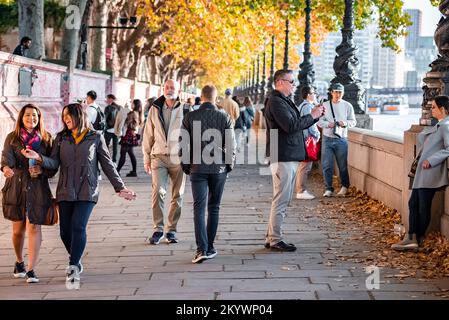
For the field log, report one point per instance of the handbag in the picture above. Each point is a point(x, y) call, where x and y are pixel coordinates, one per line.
point(338, 130)
point(313, 149)
point(52, 216)
point(414, 166)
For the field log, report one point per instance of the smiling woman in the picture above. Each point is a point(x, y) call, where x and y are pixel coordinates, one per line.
point(26, 194)
point(77, 151)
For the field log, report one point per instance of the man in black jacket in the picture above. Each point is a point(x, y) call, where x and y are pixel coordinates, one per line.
point(207, 151)
point(286, 147)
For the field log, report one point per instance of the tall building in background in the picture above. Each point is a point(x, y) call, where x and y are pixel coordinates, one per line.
point(389, 67)
point(324, 63)
point(414, 30)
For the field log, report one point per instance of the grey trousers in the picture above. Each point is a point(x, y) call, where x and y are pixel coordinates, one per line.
point(283, 174)
point(301, 176)
point(162, 169)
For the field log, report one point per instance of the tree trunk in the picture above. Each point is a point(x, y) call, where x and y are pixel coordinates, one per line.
point(100, 11)
point(72, 25)
point(31, 24)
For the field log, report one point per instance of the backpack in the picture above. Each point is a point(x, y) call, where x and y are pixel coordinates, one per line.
point(111, 115)
point(100, 121)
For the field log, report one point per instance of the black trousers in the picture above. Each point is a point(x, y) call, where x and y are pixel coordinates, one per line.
point(127, 149)
point(420, 206)
point(108, 136)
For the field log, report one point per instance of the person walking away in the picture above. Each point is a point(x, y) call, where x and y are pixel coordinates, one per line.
point(207, 177)
point(110, 113)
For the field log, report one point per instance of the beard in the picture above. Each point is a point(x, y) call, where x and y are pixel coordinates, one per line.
point(171, 96)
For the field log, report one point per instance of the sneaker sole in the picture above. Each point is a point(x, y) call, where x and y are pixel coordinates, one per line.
point(19, 275)
point(171, 241)
point(415, 249)
point(212, 255)
point(280, 250)
point(156, 242)
point(199, 260)
point(32, 280)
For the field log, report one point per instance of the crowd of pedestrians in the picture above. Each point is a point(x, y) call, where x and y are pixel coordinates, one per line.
point(200, 139)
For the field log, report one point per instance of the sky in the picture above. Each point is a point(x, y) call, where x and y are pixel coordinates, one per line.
point(430, 15)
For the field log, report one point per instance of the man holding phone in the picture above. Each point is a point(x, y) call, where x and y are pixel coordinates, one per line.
point(338, 113)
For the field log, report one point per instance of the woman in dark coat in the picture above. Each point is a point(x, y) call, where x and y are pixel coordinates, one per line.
point(26, 194)
point(77, 151)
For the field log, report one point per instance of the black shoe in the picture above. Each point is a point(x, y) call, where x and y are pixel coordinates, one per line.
point(267, 245)
point(156, 237)
point(19, 270)
point(170, 237)
point(282, 246)
point(132, 174)
point(32, 277)
point(199, 257)
point(211, 253)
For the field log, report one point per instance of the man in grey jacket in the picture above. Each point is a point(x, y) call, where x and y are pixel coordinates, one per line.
point(160, 147)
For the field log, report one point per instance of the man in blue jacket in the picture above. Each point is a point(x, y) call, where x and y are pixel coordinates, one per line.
point(286, 147)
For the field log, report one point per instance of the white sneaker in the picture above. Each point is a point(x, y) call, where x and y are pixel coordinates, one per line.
point(305, 195)
point(327, 193)
point(343, 191)
point(72, 273)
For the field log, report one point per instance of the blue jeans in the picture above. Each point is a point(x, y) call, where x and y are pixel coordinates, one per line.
point(337, 147)
point(73, 218)
point(206, 188)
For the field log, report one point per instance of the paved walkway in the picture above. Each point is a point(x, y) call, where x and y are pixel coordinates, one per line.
point(120, 264)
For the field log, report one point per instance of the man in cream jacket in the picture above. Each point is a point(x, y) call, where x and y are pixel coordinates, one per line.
point(160, 147)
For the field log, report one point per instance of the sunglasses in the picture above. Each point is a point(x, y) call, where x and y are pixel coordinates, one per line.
point(289, 81)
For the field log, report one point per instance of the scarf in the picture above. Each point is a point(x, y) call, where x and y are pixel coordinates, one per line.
point(31, 140)
point(79, 137)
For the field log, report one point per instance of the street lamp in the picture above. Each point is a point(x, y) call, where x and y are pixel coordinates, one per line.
point(306, 75)
point(271, 78)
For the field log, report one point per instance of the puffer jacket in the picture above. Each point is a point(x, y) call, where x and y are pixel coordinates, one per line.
point(78, 166)
point(155, 140)
point(24, 196)
point(210, 118)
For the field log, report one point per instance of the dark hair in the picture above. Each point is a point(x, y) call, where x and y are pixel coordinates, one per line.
point(79, 117)
point(111, 96)
point(305, 91)
point(137, 107)
point(92, 94)
point(197, 100)
point(208, 92)
point(45, 136)
point(24, 40)
point(280, 73)
point(247, 102)
point(442, 102)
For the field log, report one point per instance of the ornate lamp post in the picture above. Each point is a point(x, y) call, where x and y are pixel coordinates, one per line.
point(270, 79)
point(254, 87)
point(437, 80)
point(287, 23)
point(306, 75)
point(257, 90)
point(263, 84)
point(346, 67)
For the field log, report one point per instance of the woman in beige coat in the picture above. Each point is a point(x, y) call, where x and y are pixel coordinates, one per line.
point(431, 174)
